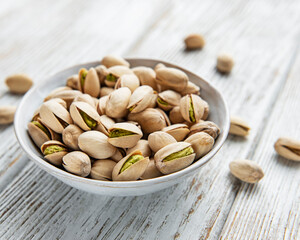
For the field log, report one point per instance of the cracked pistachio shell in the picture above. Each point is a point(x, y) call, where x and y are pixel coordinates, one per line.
point(70, 136)
point(175, 115)
point(125, 141)
point(165, 116)
point(104, 91)
point(73, 82)
point(54, 158)
point(7, 114)
point(86, 108)
point(91, 83)
point(128, 80)
point(134, 172)
point(140, 99)
point(288, 148)
point(179, 131)
point(104, 124)
point(158, 66)
point(101, 107)
point(67, 95)
point(206, 110)
point(205, 126)
point(116, 72)
point(198, 106)
point(239, 127)
point(85, 98)
point(151, 120)
point(173, 78)
point(191, 88)
point(153, 102)
point(60, 101)
point(102, 169)
point(146, 76)
point(101, 72)
point(168, 99)
point(119, 154)
point(95, 144)
point(117, 102)
point(201, 142)
point(55, 116)
point(151, 171)
point(77, 163)
point(54, 92)
point(175, 164)
point(143, 146)
point(113, 60)
point(18, 83)
point(159, 139)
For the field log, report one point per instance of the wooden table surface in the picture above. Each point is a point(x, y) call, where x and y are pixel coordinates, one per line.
point(43, 37)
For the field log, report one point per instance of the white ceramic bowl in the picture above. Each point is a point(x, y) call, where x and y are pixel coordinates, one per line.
point(34, 98)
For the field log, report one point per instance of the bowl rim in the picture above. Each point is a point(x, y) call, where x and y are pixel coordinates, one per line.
point(51, 169)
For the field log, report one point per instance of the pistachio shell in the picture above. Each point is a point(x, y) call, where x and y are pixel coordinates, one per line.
point(54, 92)
point(165, 116)
point(153, 102)
point(18, 83)
point(146, 76)
point(239, 127)
point(85, 98)
point(179, 131)
point(101, 72)
point(113, 60)
point(101, 107)
point(206, 110)
point(175, 115)
point(117, 102)
point(73, 82)
point(7, 114)
point(288, 148)
point(201, 142)
point(159, 139)
point(205, 126)
point(67, 95)
point(91, 84)
point(104, 124)
point(104, 91)
point(54, 158)
point(143, 146)
point(102, 169)
point(168, 99)
point(194, 41)
point(225, 63)
point(191, 88)
point(134, 172)
point(70, 136)
point(128, 80)
point(158, 66)
point(119, 154)
point(77, 163)
point(116, 72)
point(140, 99)
point(151, 171)
point(198, 107)
point(60, 101)
point(95, 144)
point(174, 78)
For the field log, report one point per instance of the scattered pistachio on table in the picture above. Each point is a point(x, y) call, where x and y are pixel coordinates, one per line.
point(288, 148)
point(225, 63)
point(7, 114)
point(194, 41)
point(18, 83)
point(239, 127)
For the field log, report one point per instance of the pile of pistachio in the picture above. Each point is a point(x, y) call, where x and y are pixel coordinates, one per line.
point(113, 122)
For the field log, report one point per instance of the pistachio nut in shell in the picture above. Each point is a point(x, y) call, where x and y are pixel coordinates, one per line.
point(114, 73)
point(101, 107)
point(54, 92)
point(206, 110)
point(246, 170)
point(89, 82)
point(95, 144)
point(7, 114)
point(201, 142)
point(146, 76)
point(225, 63)
point(163, 113)
point(131, 167)
point(117, 102)
point(124, 135)
point(158, 66)
point(104, 91)
point(128, 80)
point(113, 60)
point(191, 88)
point(159, 139)
point(55, 116)
point(67, 95)
point(153, 102)
point(54, 151)
point(18, 83)
point(85, 98)
point(70, 136)
point(60, 101)
point(101, 72)
point(288, 148)
point(174, 157)
point(143, 146)
point(84, 115)
point(175, 115)
point(239, 127)
point(73, 82)
point(104, 124)
point(168, 99)
point(77, 163)
point(119, 154)
point(194, 41)
point(140, 99)
point(192, 108)
point(205, 126)
point(151, 171)
point(179, 131)
point(102, 169)
point(173, 78)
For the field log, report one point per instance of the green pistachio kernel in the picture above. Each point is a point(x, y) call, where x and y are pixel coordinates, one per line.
point(88, 120)
point(111, 78)
point(130, 161)
point(53, 149)
point(183, 153)
point(82, 79)
point(120, 133)
point(162, 102)
point(131, 108)
point(42, 127)
point(191, 111)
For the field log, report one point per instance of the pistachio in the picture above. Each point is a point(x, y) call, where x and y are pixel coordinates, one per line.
point(143, 146)
point(159, 139)
point(60, 101)
point(128, 80)
point(140, 99)
point(179, 131)
point(7, 114)
point(175, 115)
point(288, 148)
point(101, 72)
point(104, 124)
point(167, 120)
point(206, 110)
point(112, 60)
point(174, 157)
point(146, 76)
point(246, 170)
point(84, 115)
point(73, 82)
point(54, 151)
point(191, 88)
point(153, 101)
point(192, 108)
point(89, 82)
point(124, 135)
point(238, 126)
point(85, 98)
point(95, 144)
point(158, 66)
point(67, 95)
point(117, 102)
point(168, 99)
point(104, 91)
point(119, 154)
point(151, 171)
point(54, 92)
point(18, 83)
point(101, 107)
point(205, 126)
point(114, 73)
point(131, 167)
point(70, 136)
point(102, 169)
point(225, 63)
point(77, 163)
point(201, 142)
point(173, 78)
point(194, 41)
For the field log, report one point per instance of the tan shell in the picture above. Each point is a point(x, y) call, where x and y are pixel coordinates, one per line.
point(143, 146)
point(288, 148)
point(117, 71)
point(102, 169)
point(132, 173)
point(128, 80)
point(60, 101)
point(119, 154)
point(205, 126)
point(191, 88)
point(151, 171)
point(174, 78)
point(104, 124)
point(77, 163)
point(113, 60)
point(36, 114)
point(194, 41)
point(201, 142)
point(73, 82)
point(70, 136)
point(165, 116)
point(86, 108)
point(206, 110)
point(146, 76)
point(67, 95)
point(54, 158)
point(7, 114)
point(101, 107)
point(91, 84)
point(176, 164)
point(85, 98)
point(104, 91)
point(225, 63)
point(179, 131)
point(53, 93)
point(18, 83)
point(239, 127)
point(95, 144)
point(170, 97)
point(51, 111)
point(140, 99)
point(199, 106)
point(125, 141)
point(175, 115)
point(117, 102)
point(153, 102)
point(158, 66)
point(101, 72)
point(159, 139)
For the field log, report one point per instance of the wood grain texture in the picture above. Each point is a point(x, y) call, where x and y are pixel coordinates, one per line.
point(35, 205)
